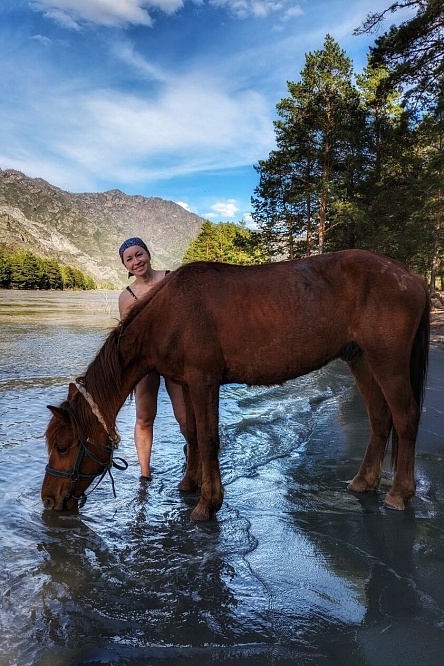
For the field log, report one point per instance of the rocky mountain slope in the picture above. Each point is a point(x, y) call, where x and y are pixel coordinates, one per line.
point(85, 230)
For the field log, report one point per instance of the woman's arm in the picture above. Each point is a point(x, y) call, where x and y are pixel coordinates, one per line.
point(126, 301)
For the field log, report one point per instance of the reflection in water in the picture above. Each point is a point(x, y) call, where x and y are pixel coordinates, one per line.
point(294, 570)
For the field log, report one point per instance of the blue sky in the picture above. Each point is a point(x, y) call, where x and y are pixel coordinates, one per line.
point(167, 98)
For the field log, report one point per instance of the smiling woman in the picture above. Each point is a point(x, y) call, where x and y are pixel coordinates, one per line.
point(136, 257)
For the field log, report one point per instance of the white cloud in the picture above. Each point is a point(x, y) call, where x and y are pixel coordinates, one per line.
point(258, 8)
point(125, 52)
point(108, 135)
point(249, 222)
point(174, 134)
point(73, 14)
point(223, 209)
point(43, 40)
point(110, 13)
point(184, 205)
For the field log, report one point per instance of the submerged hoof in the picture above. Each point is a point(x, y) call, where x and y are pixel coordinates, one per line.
point(359, 485)
point(187, 485)
point(201, 513)
point(394, 502)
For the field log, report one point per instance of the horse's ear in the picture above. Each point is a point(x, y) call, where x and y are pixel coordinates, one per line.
point(58, 412)
point(72, 391)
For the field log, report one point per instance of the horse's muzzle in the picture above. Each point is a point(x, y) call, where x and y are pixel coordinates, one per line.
point(62, 504)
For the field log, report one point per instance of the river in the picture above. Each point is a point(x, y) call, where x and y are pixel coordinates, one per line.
point(294, 570)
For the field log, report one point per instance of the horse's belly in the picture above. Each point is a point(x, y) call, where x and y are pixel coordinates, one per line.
point(275, 365)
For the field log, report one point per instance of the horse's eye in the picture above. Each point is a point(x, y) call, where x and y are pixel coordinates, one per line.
point(62, 449)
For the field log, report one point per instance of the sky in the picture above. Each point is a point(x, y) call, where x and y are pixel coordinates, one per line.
point(161, 98)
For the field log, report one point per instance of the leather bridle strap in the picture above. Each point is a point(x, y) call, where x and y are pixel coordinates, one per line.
point(74, 474)
point(113, 437)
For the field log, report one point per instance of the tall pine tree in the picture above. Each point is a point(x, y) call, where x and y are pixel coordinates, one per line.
point(313, 170)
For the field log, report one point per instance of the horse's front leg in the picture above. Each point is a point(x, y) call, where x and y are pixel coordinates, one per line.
point(193, 474)
point(205, 399)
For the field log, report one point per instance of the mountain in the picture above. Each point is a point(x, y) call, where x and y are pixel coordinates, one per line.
point(85, 230)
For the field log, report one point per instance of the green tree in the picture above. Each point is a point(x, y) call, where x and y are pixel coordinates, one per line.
point(413, 51)
point(385, 193)
point(5, 269)
point(33, 271)
point(25, 270)
point(428, 216)
point(89, 282)
point(53, 274)
point(68, 277)
point(19, 277)
point(314, 169)
point(226, 242)
point(202, 247)
point(282, 205)
point(413, 54)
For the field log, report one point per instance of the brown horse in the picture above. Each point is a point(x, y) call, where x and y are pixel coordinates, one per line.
point(209, 324)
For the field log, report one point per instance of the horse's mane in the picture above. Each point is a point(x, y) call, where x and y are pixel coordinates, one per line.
point(103, 377)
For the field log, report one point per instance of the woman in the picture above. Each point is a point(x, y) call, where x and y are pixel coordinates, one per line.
point(136, 258)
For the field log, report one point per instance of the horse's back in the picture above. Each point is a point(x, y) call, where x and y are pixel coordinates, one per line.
point(270, 322)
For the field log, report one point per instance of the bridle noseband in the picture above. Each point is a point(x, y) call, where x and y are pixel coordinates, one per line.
point(73, 473)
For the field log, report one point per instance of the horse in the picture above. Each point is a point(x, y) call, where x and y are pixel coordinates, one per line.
point(209, 324)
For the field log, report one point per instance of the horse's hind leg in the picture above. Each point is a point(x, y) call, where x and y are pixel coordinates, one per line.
point(193, 472)
point(369, 474)
point(405, 412)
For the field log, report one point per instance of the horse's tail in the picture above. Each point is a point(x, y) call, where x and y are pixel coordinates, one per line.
point(419, 361)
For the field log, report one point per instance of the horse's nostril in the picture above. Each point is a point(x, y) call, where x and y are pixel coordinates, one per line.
point(48, 502)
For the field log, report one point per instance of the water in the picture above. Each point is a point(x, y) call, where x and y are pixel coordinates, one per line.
point(294, 569)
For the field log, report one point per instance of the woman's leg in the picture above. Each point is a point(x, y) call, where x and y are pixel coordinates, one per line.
point(146, 409)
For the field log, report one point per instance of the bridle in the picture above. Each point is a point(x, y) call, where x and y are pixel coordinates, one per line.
point(73, 473)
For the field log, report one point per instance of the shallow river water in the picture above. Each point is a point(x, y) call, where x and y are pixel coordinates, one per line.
point(294, 570)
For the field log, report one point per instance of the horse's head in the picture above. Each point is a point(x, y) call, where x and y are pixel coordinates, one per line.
point(80, 449)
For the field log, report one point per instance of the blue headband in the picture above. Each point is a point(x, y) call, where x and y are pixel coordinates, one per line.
point(130, 242)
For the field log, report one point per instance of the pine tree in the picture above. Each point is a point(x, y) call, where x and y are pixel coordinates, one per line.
point(53, 274)
point(313, 170)
point(226, 242)
point(5, 269)
point(412, 52)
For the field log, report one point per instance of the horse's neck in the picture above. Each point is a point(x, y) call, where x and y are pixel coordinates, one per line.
point(117, 369)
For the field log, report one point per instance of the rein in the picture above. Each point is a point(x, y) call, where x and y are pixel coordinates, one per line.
point(73, 473)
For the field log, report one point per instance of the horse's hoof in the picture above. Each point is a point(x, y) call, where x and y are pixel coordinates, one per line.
point(359, 485)
point(187, 485)
point(200, 513)
point(394, 502)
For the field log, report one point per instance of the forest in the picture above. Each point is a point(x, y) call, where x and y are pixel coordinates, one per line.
point(25, 270)
point(359, 158)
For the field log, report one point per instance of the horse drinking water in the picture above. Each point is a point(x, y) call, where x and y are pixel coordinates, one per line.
point(208, 324)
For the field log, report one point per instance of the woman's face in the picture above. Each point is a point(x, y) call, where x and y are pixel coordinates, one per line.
point(136, 260)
